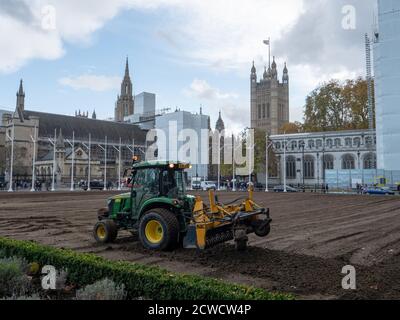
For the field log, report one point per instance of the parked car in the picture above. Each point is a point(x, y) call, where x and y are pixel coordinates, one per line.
point(259, 186)
point(282, 189)
point(94, 185)
point(379, 191)
point(208, 185)
point(196, 185)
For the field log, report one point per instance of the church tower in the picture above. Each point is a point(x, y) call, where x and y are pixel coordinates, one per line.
point(125, 103)
point(269, 99)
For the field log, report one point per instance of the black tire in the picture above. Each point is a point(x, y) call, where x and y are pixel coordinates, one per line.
point(105, 231)
point(170, 229)
point(263, 231)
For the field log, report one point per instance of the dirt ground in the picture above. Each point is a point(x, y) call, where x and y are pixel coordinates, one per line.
point(313, 237)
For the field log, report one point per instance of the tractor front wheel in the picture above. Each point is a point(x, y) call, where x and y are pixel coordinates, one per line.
point(105, 231)
point(159, 230)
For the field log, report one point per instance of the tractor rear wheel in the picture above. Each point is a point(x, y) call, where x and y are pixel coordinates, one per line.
point(105, 231)
point(159, 230)
point(263, 231)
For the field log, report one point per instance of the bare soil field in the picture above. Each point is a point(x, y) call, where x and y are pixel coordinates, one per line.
point(313, 237)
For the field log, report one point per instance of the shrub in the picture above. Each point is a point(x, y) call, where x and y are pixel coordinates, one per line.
point(140, 280)
point(33, 297)
point(13, 280)
point(102, 290)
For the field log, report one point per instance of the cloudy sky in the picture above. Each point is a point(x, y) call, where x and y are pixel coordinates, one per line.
point(71, 54)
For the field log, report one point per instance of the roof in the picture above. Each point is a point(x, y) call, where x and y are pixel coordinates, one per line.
point(82, 127)
point(160, 163)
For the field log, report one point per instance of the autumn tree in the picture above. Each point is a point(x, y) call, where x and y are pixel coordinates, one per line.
point(292, 127)
point(337, 106)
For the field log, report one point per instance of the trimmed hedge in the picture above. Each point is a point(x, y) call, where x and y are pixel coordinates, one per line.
point(139, 280)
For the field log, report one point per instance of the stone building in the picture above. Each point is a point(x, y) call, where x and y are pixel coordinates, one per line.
point(310, 155)
point(125, 105)
point(269, 99)
point(104, 138)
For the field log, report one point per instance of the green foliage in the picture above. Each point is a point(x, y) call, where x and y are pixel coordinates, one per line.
point(13, 280)
point(139, 280)
point(337, 106)
point(102, 290)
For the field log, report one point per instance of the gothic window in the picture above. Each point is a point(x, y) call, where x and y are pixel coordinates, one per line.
point(348, 142)
point(291, 167)
point(348, 162)
point(368, 141)
point(329, 143)
point(278, 145)
point(311, 144)
point(268, 110)
point(319, 143)
point(309, 167)
point(263, 110)
point(357, 142)
point(370, 161)
point(259, 111)
point(329, 162)
point(294, 145)
point(338, 143)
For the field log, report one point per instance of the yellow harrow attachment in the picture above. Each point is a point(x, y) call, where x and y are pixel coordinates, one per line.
point(218, 223)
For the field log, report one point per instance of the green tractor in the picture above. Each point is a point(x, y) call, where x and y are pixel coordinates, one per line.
point(165, 216)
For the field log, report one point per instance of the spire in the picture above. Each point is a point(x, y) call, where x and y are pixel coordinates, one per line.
point(220, 125)
point(20, 106)
point(94, 116)
point(253, 76)
point(60, 140)
point(265, 73)
point(274, 71)
point(127, 68)
point(253, 69)
point(21, 89)
point(285, 77)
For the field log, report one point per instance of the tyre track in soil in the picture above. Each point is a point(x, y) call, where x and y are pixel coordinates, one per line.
point(313, 237)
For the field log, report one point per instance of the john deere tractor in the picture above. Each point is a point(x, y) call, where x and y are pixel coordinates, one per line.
point(164, 216)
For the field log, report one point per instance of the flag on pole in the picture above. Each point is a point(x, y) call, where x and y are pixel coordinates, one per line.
point(266, 42)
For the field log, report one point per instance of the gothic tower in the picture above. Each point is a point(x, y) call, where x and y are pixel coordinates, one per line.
point(269, 99)
point(125, 103)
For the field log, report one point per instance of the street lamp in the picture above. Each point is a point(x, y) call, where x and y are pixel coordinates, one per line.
point(268, 145)
point(284, 162)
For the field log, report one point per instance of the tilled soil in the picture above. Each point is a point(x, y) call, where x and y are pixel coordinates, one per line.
point(313, 237)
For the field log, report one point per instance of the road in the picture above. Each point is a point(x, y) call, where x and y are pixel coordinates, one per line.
point(313, 237)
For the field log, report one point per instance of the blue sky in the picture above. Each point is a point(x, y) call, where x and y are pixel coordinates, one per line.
point(189, 53)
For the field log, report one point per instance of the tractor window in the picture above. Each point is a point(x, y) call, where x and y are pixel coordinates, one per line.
point(146, 179)
point(172, 184)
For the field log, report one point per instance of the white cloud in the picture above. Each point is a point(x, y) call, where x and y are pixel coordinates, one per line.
point(91, 82)
point(201, 89)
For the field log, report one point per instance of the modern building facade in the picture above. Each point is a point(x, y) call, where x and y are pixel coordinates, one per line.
point(177, 128)
point(387, 80)
point(269, 99)
point(125, 105)
point(145, 111)
point(310, 155)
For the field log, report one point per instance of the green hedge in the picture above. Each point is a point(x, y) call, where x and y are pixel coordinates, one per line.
point(139, 280)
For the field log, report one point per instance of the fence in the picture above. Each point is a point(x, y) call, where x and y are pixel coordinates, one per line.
point(348, 179)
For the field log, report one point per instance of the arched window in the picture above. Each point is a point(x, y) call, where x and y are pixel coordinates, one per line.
point(311, 144)
point(309, 167)
point(348, 142)
point(368, 141)
point(370, 161)
point(357, 142)
point(291, 167)
point(259, 111)
point(268, 110)
point(329, 143)
point(348, 162)
point(294, 145)
point(263, 110)
point(278, 145)
point(338, 143)
point(329, 161)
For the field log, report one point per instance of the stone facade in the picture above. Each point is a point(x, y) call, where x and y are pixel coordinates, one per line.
point(341, 150)
point(269, 99)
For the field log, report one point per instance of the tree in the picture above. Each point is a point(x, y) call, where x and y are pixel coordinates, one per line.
point(337, 106)
point(292, 127)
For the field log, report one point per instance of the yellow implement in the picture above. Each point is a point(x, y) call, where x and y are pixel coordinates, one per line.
point(218, 223)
